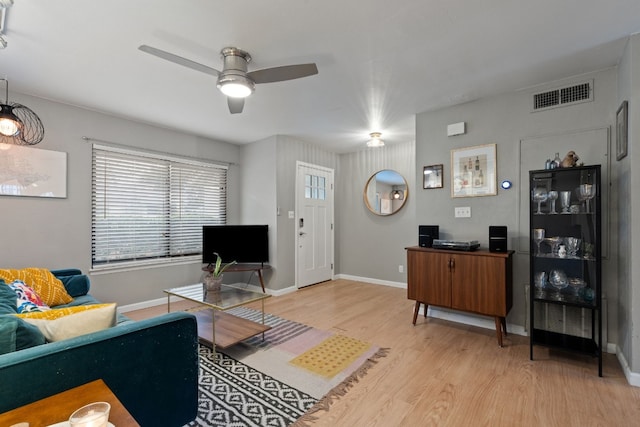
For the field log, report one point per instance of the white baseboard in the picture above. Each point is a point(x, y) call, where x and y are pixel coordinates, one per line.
point(145, 304)
point(472, 320)
point(633, 378)
point(402, 285)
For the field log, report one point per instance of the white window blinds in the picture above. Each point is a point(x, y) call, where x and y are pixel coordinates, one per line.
point(148, 208)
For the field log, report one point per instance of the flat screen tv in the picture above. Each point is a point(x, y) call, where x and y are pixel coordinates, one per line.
point(240, 243)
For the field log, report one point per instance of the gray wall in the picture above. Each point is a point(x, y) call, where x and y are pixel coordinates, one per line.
point(369, 245)
point(56, 233)
point(268, 188)
point(506, 120)
point(289, 151)
point(628, 203)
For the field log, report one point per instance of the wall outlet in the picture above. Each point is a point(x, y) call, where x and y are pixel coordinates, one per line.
point(401, 268)
point(464, 212)
point(292, 214)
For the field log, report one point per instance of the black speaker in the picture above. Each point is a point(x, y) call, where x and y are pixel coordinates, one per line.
point(497, 238)
point(426, 234)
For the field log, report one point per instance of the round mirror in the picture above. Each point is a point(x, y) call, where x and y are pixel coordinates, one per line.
point(386, 192)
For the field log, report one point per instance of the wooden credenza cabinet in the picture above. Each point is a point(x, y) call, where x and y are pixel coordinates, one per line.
point(477, 282)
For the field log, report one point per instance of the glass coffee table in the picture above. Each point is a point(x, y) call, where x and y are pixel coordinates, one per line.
point(215, 327)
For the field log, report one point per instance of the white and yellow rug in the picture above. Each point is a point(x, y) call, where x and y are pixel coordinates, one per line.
point(319, 363)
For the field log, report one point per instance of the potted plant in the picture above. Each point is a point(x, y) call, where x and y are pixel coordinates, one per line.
point(213, 279)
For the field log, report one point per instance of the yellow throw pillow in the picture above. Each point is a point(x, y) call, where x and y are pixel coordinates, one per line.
point(48, 287)
point(68, 322)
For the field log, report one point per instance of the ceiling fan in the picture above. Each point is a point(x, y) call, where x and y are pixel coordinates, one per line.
point(234, 80)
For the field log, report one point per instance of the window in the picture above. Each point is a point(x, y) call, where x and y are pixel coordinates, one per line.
point(314, 187)
point(149, 208)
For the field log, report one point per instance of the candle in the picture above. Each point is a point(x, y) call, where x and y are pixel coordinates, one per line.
point(92, 415)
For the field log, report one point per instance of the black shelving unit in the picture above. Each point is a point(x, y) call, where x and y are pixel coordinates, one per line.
point(565, 266)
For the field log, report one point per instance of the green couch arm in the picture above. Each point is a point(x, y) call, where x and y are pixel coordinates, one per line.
point(150, 365)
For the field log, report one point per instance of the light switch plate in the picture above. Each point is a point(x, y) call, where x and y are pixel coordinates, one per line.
point(292, 214)
point(463, 212)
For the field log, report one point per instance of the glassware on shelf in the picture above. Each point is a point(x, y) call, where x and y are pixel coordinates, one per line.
point(540, 279)
point(565, 201)
point(573, 245)
point(562, 251)
point(553, 196)
point(587, 250)
point(539, 195)
point(577, 284)
point(553, 243)
point(587, 294)
point(538, 237)
point(558, 279)
point(586, 192)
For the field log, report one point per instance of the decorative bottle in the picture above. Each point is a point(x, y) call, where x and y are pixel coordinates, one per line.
point(557, 161)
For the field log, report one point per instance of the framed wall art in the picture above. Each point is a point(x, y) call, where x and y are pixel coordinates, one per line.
point(32, 172)
point(432, 176)
point(473, 171)
point(621, 131)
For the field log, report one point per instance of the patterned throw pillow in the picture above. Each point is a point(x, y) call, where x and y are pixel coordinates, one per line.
point(42, 281)
point(27, 300)
point(68, 322)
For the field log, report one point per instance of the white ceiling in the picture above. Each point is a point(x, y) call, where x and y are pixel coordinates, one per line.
point(380, 62)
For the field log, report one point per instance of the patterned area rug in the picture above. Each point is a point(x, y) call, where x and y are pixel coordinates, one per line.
point(281, 380)
point(234, 394)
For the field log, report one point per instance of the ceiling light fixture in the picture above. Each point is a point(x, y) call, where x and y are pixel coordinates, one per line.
point(235, 86)
point(233, 80)
point(375, 140)
point(18, 124)
point(397, 194)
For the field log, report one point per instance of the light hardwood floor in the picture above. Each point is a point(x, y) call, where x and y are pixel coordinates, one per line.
point(441, 373)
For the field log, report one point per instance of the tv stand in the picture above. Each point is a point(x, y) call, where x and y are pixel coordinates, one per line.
point(238, 268)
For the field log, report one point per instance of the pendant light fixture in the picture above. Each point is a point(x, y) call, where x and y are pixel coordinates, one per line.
point(375, 140)
point(18, 124)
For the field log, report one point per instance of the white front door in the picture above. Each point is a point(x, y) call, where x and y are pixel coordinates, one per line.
point(314, 224)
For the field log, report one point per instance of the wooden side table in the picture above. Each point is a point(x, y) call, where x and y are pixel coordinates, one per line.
point(59, 407)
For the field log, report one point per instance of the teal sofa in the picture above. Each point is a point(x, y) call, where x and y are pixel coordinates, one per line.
point(150, 365)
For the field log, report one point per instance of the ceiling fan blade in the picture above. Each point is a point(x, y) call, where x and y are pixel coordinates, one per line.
point(179, 60)
point(235, 104)
point(279, 74)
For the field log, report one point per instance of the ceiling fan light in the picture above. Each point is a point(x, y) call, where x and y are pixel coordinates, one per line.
point(235, 90)
point(235, 86)
point(375, 140)
point(10, 124)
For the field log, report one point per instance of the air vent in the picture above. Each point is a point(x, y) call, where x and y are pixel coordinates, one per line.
point(582, 92)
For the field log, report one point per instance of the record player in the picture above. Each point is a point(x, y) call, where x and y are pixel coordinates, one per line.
point(456, 245)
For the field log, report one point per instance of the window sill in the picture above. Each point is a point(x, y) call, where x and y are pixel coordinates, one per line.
point(132, 266)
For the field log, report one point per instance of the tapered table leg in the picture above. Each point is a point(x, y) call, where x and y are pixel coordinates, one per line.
point(500, 322)
point(416, 310)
